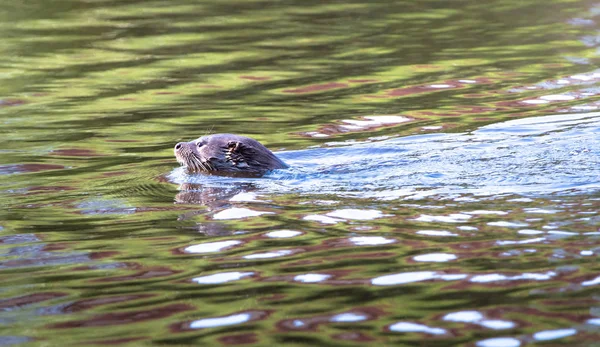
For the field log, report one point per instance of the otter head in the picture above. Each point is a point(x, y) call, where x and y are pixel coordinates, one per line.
point(227, 154)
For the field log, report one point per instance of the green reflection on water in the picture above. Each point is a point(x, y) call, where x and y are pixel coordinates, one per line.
point(100, 91)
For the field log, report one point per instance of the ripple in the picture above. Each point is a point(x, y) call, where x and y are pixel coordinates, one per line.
point(525, 276)
point(530, 232)
point(474, 317)
point(348, 317)
point(451, 218)
point(594, 321)
point(322, 219)
point(238, 213)
point(463, 316)
point(435, 257)
point(356, 214)
point(520, 242)
point(407, 277)
point(540, 210)
point(591, 282)
point(504, 224)
point(497, 324)
point(373, 121)
point(370, 240)
point(467, 228)
point(267, 255)
point(436, 233)
point(223, 277)
point(281, 234)
point(409, 327)
point(499, 342)
point(553, 334)
point(440, 86)
point(13, 340)
point(499, 213)
point(582, 77)
point(535, 102)
point(211, 247)
point(557, 97)
point(245, 197)
point(562, 232)
point(221, 321)
point(312, 278)
point(411, 277)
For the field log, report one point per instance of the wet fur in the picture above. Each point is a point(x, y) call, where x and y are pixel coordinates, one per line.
point(227, 154)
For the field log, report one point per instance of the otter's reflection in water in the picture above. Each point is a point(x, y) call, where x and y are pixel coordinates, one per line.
point(212, 200)
point(210, 196)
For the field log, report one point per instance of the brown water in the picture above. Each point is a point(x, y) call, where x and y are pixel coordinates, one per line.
point(444, 187)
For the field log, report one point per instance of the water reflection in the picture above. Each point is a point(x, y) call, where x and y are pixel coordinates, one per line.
point(432, 199)
point(409, 327)
point(222, 277)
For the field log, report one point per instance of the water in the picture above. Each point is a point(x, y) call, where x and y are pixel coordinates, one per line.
point(443, 189)
point(540, 155)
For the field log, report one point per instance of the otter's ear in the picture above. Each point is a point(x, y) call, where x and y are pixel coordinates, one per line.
point(237, 152)
point(235, 147)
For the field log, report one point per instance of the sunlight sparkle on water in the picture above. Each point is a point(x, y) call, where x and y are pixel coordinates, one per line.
point(535, 101)
point(373, 121)
point(238, 213)
point(347, 318)
point(594, 321)
point(519, 242)
point(499, 213)
point(370, 240)
point(311, 278)
point(436, 233)
point(591, 282)
point(497, 324)
point(409, 327)
point(525, 276)
point(220, 321)
point(267, 255)
point(530, 232)
point(463, 316)
point(435, 257)
point(467, 228)
point(280, 234)
point(557, 97)
point(245, 197)
point(499, 342)
point(410, 277)
point(452, 218)
point(211, 247)
point(553, 334)
point(322, 219)
point(356, 214)
point(222, 277)
point(540, 210)
point(504, 224)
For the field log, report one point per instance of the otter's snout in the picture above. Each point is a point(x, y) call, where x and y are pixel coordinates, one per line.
point(182, 152)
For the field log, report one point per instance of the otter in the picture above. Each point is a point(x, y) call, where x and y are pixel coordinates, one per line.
point(227, 154)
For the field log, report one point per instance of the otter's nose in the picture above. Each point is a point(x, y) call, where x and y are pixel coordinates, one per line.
point(178, 146)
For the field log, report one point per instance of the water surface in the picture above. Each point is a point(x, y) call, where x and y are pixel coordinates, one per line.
point(443, 188)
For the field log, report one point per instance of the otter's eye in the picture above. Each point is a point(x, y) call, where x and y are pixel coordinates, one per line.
point(199, 144)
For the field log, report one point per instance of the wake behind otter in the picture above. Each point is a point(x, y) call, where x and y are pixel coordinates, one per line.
point(541, 155)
